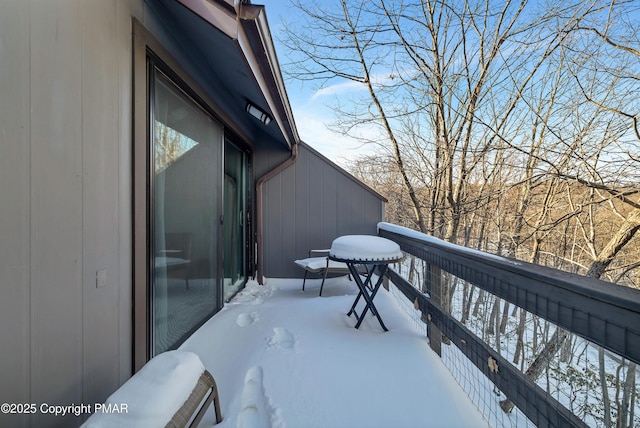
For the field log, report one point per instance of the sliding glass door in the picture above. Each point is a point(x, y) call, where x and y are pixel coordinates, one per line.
point(235, 220)
point(186, 206)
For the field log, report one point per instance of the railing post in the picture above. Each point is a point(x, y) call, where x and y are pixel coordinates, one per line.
point(434, 287)
point(385, 278)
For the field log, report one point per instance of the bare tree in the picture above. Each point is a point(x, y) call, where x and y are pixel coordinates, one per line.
point(460, 68)
point(345, 46)
point(505, 126)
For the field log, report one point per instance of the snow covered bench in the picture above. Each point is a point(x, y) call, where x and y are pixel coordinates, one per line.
point(166, 392)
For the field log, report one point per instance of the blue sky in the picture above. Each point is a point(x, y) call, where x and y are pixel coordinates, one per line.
point(310, 106)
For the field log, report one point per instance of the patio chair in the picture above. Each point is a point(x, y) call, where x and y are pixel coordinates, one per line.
point(176, 258)
point(172, 390)
point(318, 262)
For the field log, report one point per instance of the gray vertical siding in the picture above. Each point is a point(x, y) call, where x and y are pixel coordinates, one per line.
point(15, 204)
point(65, 192)
point(307, 206)
point(101, 110)
point(56, 205)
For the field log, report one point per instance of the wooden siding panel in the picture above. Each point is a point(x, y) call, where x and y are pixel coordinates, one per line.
point(56, 201)
point(125, 10)
point(288, 218)
point(100, 164)
point(373, 214)
point(329, 192)
point(272, 234)
point(302, 200)
point(359, 212)
point(15, 203)
point(344, 201)
point(316, 203)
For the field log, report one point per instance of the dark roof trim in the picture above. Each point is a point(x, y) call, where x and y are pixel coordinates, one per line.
point(344, 172)
point(255, 40)
point(247, 24)
point(219, 13)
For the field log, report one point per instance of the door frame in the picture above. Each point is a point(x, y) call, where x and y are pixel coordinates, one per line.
point(146, 47)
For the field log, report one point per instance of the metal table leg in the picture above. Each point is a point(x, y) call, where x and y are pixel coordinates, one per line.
point(367, 293)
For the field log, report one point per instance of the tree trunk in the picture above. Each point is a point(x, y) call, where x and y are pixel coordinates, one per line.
point(604, 388)
point(497, 328)
point(412, 269)
point(505, 317)
point(619, 240)
point(627, 405)
point(479, 301)
point(541, 362)
point(494, 316)
point(632, 385)
point(520, 343)
point(466, 309)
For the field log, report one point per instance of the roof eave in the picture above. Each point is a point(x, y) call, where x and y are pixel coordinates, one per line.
point(247, 25)
point(218, 13)
point(256, 43)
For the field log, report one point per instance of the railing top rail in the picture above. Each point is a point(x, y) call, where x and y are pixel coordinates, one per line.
point(592, 287)
point(603, 312)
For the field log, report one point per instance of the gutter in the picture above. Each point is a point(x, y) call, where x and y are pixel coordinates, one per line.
point(255, 41)
point(259, 208)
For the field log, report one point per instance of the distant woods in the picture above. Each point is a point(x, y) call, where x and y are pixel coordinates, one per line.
point(510, 127)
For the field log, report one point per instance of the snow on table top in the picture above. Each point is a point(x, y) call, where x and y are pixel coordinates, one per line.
point(364, 248)
point(154, 394)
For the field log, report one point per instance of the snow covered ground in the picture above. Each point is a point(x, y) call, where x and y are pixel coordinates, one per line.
point(286, 358)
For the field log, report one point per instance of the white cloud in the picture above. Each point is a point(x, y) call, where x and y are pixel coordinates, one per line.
point(314, 114)
point(378, 79)
point(313, 123)
point(339, 88)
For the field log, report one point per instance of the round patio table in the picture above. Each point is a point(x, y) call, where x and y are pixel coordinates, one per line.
point(373, 252)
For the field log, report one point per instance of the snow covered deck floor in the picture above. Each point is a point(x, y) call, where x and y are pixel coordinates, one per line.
point(286, 358)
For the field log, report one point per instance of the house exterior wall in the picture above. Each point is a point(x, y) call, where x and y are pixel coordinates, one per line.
point(310, 204)
point(268, 158)
point(65, 202)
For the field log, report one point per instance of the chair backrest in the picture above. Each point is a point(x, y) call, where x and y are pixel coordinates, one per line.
point(319, 253)
point(180, 241)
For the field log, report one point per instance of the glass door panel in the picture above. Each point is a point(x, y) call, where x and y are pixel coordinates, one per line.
point(235, 238)
point(185, 188)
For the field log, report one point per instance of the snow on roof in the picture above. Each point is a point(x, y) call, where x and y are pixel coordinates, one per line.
point(282, 357)
point(364, 248)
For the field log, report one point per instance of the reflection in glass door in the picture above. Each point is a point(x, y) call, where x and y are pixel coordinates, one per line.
point(185, 206)
point(235, 237)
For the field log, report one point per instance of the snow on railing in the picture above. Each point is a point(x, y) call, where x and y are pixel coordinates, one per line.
point(561, 347)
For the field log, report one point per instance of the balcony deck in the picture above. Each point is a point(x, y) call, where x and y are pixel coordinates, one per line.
point(287, 358)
